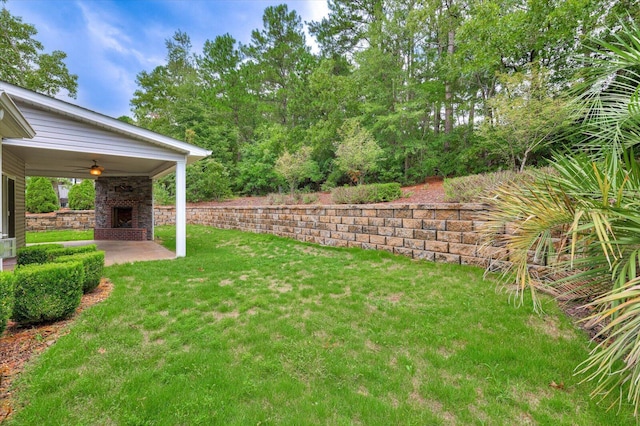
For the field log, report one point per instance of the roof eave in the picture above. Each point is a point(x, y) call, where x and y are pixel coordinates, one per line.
point(12, 119)
point(102, 120)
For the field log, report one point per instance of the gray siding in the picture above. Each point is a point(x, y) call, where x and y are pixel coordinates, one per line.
point(54, 131)
point(13, 167)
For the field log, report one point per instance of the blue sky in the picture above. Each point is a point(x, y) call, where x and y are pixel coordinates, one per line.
point(108, 42)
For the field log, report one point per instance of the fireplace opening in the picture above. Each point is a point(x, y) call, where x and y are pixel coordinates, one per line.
point(122, 217)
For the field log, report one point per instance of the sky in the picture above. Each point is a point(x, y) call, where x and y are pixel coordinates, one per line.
point(108, 42)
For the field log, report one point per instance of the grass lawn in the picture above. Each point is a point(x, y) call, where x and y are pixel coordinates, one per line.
point(55, 236)
point(254, 329)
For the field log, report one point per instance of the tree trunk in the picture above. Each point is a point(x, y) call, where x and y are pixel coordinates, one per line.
point(448, 95)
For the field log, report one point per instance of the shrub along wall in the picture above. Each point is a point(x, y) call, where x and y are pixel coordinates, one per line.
point(437, 232)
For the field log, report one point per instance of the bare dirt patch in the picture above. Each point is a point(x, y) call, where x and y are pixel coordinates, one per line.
point(19, 344)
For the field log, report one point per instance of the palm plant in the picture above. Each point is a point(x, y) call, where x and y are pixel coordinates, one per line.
point(577, 232)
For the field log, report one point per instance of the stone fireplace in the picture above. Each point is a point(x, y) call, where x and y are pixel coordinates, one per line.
point(124, 209)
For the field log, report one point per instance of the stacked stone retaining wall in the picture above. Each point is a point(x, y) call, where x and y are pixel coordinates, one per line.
point(62, 219)
point(436, 232)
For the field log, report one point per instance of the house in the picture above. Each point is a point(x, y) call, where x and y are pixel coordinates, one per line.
point(44, 136)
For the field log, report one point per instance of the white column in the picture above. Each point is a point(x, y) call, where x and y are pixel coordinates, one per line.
point(181, 208)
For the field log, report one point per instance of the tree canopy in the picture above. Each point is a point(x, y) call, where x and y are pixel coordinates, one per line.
point(439, 86)
point(24, 63)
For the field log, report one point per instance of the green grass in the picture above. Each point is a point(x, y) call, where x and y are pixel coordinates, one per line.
point(255, 329)
point(56, 236)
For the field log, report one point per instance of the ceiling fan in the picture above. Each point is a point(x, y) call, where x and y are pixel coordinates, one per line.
point(96, 170)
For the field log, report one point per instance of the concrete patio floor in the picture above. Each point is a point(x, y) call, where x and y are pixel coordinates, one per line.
point(116, 252)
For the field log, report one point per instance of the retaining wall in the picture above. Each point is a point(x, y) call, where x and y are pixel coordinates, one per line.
point(436, 232)
point(62, 219)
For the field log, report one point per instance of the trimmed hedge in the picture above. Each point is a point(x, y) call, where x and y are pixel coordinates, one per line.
point(7, 289)
point(55, 253)
point(93, 263)
point(35, 254)
point(363, 194)
point(47, 292)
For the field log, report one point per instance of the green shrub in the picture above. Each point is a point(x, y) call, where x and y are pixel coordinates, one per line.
point(82, 196)
point(40, 196)
point(47, 292)
point(471, 188)
point(287, 199)
point(35, 254)
point(207, 180)
point(54, 253)
point(93, 263)
point(363, 194)
point(7, 289)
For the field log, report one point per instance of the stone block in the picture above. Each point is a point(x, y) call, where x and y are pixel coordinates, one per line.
point(376, 221)
point(412, 223)
point(395, 242)
point(393, 222)
point(438, 225)
point(471, 238)
point(404, 233)
point(386, 213)
point(447, 214)
point(459, 225)
point(403, 213)
point(363, 238)
point(425, 234)
point(462, 249)
point(385, 230)
point(474, 261)
point(447, 258)
point(437, 246)
point(377, 239)
point(423, 214)
point(453, 237)
point(403, 251)
point(424, 255)
point(414, 244)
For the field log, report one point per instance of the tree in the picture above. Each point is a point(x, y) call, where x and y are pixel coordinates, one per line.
point(40, 196)
point(526, 116)
point(296, 167)
point(82, 196)
point(23, 63)
point(207, 180)
point(280, 60)
point(584, 224)
point(357, 153)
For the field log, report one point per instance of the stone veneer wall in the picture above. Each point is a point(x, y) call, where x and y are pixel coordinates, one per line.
point(129, 191)
point(63, 219)
point(437, 232)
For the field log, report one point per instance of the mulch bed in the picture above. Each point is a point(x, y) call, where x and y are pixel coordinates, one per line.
point(431, 191)
point(19, 344)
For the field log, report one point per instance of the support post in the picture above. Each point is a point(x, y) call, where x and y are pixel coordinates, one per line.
point(181, 208)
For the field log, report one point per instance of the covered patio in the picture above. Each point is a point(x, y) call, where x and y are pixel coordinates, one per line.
point(69, 141)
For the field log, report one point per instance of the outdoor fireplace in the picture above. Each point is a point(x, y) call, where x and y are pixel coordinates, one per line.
point(124, 209)
point(122, 217)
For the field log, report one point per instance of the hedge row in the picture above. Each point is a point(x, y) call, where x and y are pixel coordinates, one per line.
point(48, 282)
point(364, 194)
point(7, 296)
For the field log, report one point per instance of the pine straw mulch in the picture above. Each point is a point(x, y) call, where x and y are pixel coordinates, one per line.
point(19, 344)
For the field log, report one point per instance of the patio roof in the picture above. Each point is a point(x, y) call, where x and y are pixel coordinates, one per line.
point(68, 138)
